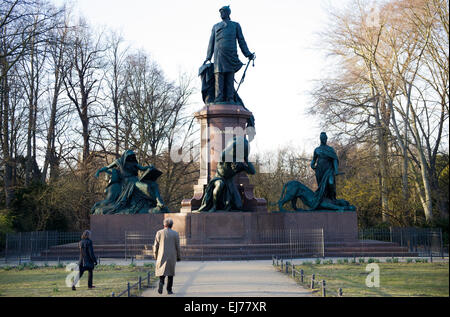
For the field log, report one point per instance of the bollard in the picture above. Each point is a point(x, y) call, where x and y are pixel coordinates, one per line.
point(140, 284)
point(287, 267)
point(293, 270)
point(312, 281)
point(277, 261)
point(324, 294)
point(128, 289)
point(148, 279)
point(301, 276)
point(340, 292)
point(281, 264)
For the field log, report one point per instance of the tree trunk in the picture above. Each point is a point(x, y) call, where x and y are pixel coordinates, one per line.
point(7, 160)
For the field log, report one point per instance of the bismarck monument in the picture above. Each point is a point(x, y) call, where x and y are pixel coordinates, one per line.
point(223, 209)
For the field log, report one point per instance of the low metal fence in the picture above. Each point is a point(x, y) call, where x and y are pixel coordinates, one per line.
point(298, 275)
point(290, 243)
point(422, 242)
point(287, 243)
point(26, 245)
point(134, 290)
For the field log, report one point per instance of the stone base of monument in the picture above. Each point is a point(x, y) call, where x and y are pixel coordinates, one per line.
point(227, 227)
point(231, 236)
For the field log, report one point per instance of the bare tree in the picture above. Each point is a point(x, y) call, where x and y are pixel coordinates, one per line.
point(388, 67)
point(82, 80)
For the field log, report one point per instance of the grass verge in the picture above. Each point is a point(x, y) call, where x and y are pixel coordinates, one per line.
point(396, 279)
point(32, 281)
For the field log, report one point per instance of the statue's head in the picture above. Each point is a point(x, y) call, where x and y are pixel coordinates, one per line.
point(129, 156)
point(323, 138)
point(225, 12)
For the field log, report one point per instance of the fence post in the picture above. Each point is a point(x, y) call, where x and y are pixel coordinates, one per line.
point(6, 248)
point(20, 246)
point(290, 243)
point(312, 281)
point(293, 270)
point(125, 245)
point(441, 243)
point(340, 292)
point(148, 279)
point(32, 238)
point(324, 292)
point(140, 283)
point(128, 289)
point(281, 264)
point(323, 244)
point(46, 247)
point(301, 275)
point(287, 267)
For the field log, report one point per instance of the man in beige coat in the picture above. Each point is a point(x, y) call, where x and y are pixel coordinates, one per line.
point(166, 251)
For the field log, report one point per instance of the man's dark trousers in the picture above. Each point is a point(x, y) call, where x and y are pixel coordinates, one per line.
point(224, 86)
point(82, 269)
point(169, 282)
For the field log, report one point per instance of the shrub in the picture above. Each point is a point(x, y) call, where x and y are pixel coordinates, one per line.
point(370, 260)
point(353, 260)
point(345, 260)
point(361, 260)
point(395, 260)
point(318, 261)
point(340, 261)
point(389, 260)
point(409, 260)
point(418, 260)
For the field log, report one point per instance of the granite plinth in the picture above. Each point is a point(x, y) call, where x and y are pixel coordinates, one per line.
point(219, 123)
point(225, 227)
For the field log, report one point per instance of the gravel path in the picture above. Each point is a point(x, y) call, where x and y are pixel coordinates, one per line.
point(231, 279)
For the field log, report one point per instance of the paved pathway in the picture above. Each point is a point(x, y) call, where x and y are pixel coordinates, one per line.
point(230, 279)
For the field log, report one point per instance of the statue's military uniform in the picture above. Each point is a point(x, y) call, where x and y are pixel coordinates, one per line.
point(223, 45)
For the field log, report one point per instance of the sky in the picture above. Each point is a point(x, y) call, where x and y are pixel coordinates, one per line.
point(282, 33)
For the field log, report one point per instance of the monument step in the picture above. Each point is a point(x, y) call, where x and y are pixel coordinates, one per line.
point(235, 251)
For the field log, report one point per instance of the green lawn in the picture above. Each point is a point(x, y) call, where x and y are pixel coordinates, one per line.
point(30, 281)
point(396, 279)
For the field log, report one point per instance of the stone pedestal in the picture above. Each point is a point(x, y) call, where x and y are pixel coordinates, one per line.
point(225, 227)
point(219, 124)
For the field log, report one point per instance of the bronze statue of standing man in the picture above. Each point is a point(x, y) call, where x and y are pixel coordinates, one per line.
point(222, 45)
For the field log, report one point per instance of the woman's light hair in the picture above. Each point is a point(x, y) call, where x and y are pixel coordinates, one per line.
point(86, 234)
point(168, 222)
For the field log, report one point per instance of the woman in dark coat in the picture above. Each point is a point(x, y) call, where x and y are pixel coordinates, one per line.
point(87, 258)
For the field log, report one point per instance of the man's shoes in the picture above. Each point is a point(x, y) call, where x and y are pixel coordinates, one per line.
point(169, 292)
point(160, 288)
point(73, 288)
point(91, 287)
